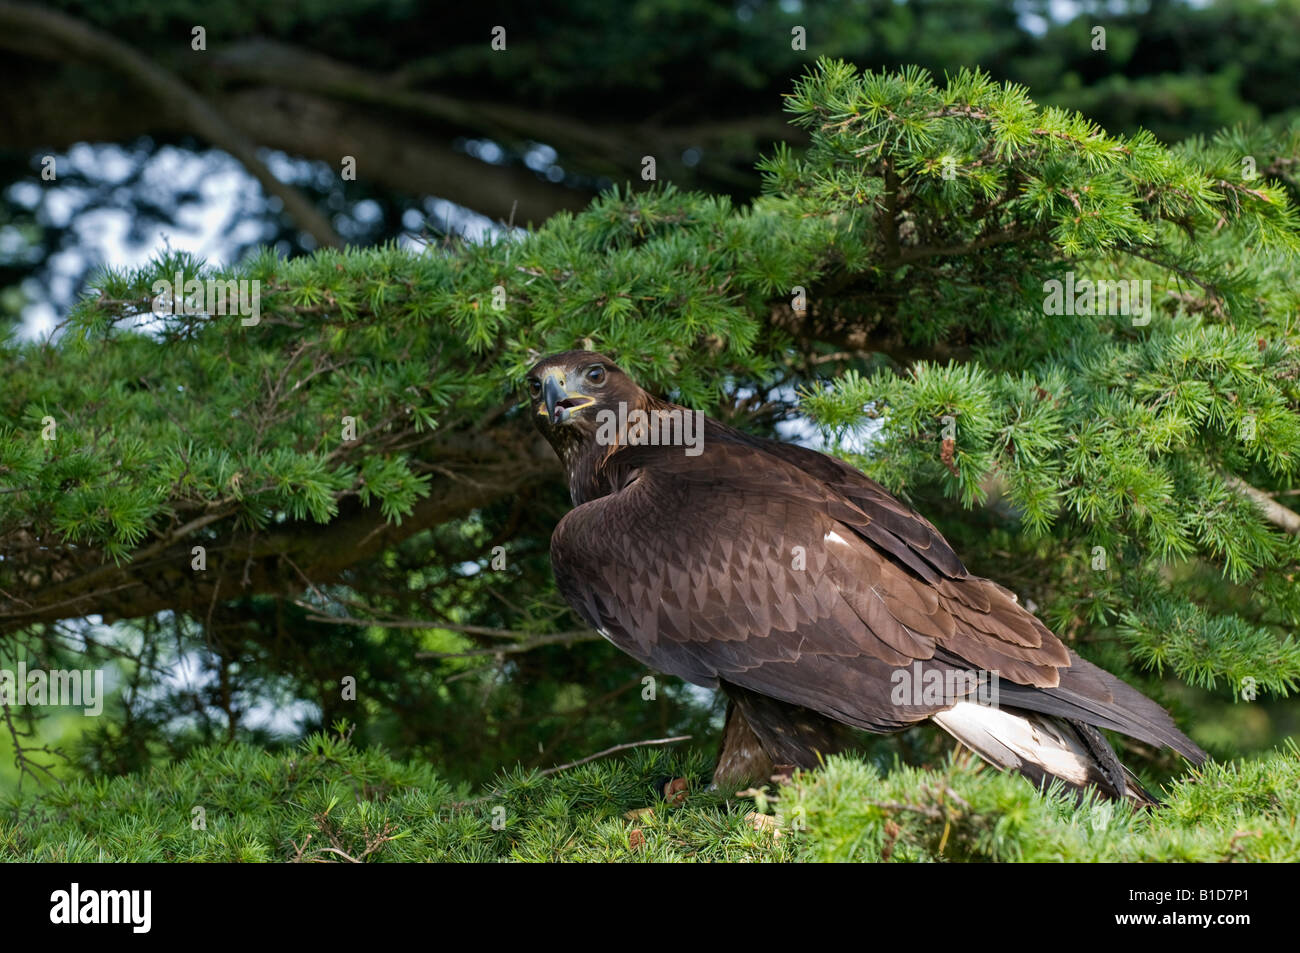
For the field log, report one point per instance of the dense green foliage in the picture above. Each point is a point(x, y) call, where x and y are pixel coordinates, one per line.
point(329, 802)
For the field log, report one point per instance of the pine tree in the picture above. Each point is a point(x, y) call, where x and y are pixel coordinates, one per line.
point(1075, 351)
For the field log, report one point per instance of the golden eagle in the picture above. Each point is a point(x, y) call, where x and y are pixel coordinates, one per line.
point(809, 595)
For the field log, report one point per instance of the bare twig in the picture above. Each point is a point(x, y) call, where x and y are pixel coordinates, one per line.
point(560, 638)
point(1277, 514)
point(623, 747)
point(430, 624)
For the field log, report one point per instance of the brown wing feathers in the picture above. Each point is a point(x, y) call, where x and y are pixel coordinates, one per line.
point(732, 604)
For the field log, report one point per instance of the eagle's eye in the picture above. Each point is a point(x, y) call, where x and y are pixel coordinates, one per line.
point(596, 374)
point(534, 386)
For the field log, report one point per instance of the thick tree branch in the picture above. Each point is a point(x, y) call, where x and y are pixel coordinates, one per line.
point(22, 23)
point(307, 104)
point(69, 581)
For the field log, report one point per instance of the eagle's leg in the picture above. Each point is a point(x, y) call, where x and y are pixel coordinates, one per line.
point(763, 736)
point(741, 757)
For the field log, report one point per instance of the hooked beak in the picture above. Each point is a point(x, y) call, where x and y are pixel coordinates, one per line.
point(560, 403)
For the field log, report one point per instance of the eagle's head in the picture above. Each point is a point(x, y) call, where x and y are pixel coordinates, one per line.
point(568, 391)
point(589, 411)
point(574, 398)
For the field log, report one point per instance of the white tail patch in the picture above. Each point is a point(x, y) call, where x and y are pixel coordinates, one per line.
point(1009, 739)
point(834, 537)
